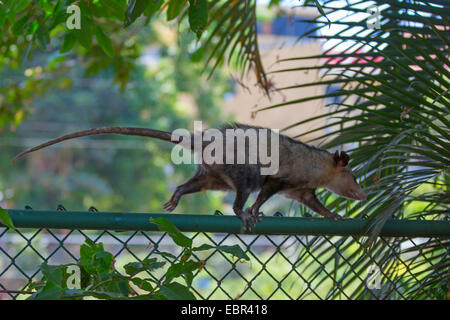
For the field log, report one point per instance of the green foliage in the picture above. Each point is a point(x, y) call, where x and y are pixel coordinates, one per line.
point(104, 42)
point(29, 28)
point(175, 291)
point(134, 268)
point(198, 16)
point(100, 279)
point(134, 9)
point(174, 8)
point(234, 250)
point(388, 105)
point(102, 169)
point(167, 226)
point(5, 219)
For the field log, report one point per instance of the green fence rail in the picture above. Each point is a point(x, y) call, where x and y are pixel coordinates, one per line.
point(225, 224)
point(290, 257)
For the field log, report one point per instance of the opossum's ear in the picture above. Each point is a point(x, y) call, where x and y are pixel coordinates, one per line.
point(341, 160)
point(336, 157)
point(344, 158)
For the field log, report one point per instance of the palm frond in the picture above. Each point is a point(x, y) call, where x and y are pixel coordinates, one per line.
point(389, 108)
point(233, 37)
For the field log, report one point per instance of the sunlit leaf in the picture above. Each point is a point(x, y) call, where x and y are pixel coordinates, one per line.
point(5, 219)
point(167, 226)
point(104, 42)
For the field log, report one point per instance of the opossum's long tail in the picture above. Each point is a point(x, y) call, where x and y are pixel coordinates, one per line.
point(162, 135)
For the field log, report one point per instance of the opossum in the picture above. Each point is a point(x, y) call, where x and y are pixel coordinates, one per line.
point(302, 169)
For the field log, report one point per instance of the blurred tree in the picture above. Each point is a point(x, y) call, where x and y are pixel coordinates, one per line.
point(110, 37)
point(109, 172)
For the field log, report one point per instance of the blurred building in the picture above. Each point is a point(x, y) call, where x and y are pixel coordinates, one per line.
point(279, 39)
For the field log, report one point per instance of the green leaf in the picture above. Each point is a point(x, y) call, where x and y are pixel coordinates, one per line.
point(176, 291)
point(197, 55)
point(86, 258)
point(134, 9)
point(106, 295)
point(53, 274)
point(134, 268)
point(2, 15)
point(73, 292)
point(198, 16)
point(43, 36)
point(142, 284)
point(174, 8)
point(153, 296)
point(234, 250)
point(20, 5)
point(179, 269)
point(165, 255)
point(123, 287)
point(5, 219)
point(94, 259)
point(189, 277)
point(103, 261)
point(153, 7)
point(51, 291)
point(69, 42)
point(167, 226)
point(19, 27)
point(104, 42)
point(84, 35)
point(274, 3)
point(35, 285)
point(114, 8)
point(91, 243)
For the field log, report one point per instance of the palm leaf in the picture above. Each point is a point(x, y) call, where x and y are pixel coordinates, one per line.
point(391, 112)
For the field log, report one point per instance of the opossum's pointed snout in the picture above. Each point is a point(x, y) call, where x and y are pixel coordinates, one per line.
point(358, 195)
point(362, 196)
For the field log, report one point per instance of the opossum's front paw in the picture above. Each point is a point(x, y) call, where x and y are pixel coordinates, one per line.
point(170, 205)
point(334, 216)
point(248, 220)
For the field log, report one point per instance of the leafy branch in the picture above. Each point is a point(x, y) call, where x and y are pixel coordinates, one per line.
point(98, 277)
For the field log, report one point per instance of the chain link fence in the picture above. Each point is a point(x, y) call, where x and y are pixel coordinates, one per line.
point(292, 266)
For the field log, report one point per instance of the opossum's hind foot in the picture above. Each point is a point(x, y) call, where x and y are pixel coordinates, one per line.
point(257, 214)
point(170, 205)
